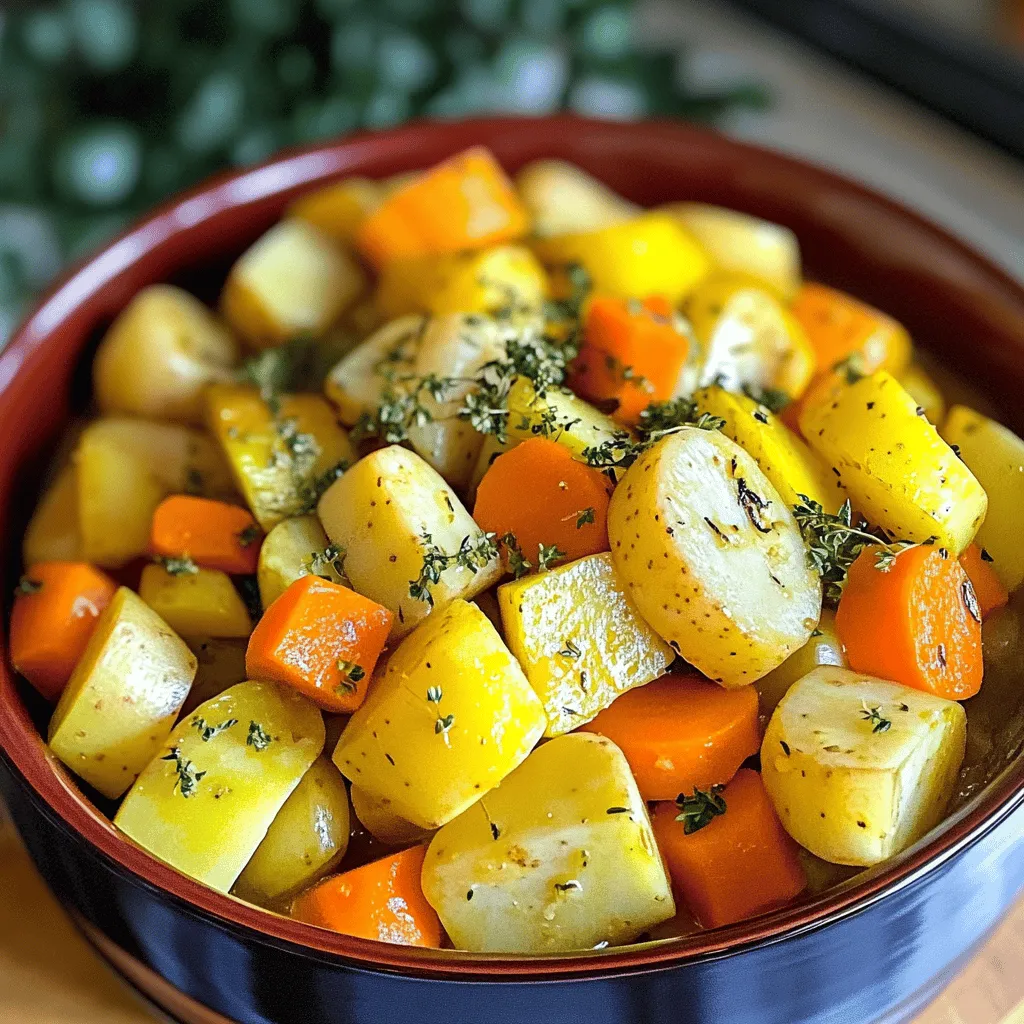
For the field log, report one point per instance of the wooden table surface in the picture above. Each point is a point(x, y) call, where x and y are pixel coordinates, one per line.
point(49, 975)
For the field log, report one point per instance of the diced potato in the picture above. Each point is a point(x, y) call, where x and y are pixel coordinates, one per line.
point(824, 648)
point(507, 276)
point(160, 354)
point(339, 209)
point(847, 790)
point(194, 604)
point(294, 280)
point(221, 664)
point(388, 512)
point(748, 337)
point(995, 456)
point(897, 470)
point(456, 346)
point(562, 199)
point(289, 552)
point(648, 255)
point(305, 841)
point(382, 823)
point(740, 243)
point(789, 464)
point(52, 534)
point(277, 459)
point(561, 856)
point(205, 805)
point(559, 415)
point(580, 639)
point(357, 384)
point(123, 697)
point(922, 388)
point(450, 716)
point(712, 556)
point(125, 468)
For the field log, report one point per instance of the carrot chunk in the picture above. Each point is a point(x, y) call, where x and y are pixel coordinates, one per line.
point(542, 496)
point(918, 623)
point(741, 864)
point(214, 534)
point(466, 202)
point(681, 733)
point(321, 638)
point(382, 900)
point(988, 587)
point(54, 614)
point(632, 353)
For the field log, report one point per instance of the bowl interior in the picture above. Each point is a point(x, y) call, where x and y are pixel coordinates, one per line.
point(957, 306)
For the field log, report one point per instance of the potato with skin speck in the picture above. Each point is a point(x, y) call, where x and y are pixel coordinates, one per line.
point(580, 639)
point(202, 603)
point(377, 817)
point(859, 768)
point(388, 512)
point(123, 696)
point(205, 802)
point(449, 717)
point(899, 473)
point(561, 856)
point(712, 556)
point(306, 840)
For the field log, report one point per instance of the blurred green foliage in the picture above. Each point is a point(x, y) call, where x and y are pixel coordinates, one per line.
point(106, 106)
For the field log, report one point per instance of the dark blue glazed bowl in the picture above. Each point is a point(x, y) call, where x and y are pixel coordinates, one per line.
point(875, 949)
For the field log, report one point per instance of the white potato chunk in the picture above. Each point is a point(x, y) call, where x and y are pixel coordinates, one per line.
point(561, 856)
point(712, 556)
point(859, 768)
point(390, 512)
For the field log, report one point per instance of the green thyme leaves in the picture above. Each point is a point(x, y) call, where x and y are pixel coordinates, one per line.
point(700, 809)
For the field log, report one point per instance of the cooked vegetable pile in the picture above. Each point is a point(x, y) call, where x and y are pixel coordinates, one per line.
point(592, 573)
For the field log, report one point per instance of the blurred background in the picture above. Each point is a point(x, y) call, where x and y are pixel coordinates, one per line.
point(108, 106)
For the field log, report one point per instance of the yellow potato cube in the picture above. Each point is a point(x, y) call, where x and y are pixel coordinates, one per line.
point(206, 803)
point(450, 716)
point(995, 455)
point(897, 470)
point(52, 534)
point(221, 664)
point(277, 459)
point(648, 255)
point(160, 354)
point(338, 210)
point(292, 281)
point(784, 458)
point(382, 823)
point(123, 697)
point(294, 548)
point(580, 639)
point(561, 856)
point(848, 791)
point(195, 604)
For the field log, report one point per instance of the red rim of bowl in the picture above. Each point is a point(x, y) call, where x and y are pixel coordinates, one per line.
point(389, 152)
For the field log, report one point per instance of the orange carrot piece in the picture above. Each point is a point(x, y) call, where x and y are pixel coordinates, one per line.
point(681, 732)
point(214, 534)
point(741, 864)
point(632, 353)
point(466, 202)
point(838, 325)
point(54, 614)
point(321, 638)
point(988, 587)
point(918, 624)
point(539, 493)
point(382, 900)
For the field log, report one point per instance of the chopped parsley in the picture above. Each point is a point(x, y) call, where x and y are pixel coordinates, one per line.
point(700, 809)
point(258, 737)
point(187, 778)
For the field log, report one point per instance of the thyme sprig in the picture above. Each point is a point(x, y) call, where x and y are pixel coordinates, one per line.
point(330, 558)
point(187, 778)
point(874, 717)
point(258, 737)
point(472, 555)
point(700, 809)
point(206, 731)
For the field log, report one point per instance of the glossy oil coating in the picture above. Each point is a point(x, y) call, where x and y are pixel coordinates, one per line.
point(847, 957)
